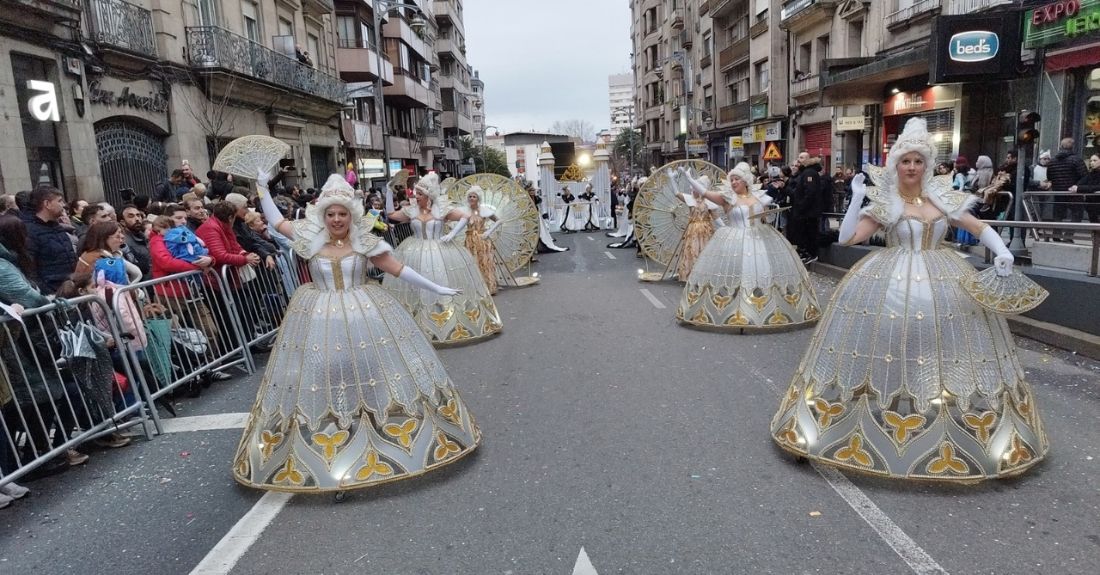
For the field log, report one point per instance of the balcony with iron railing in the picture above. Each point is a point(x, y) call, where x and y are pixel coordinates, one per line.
point(212, 48)
point(120, 25)
point(797, 14)
point(972, 6)
point(805, 86)
point(919, 10)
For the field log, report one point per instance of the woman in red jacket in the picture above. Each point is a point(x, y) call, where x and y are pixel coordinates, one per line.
point(217, 233)
point(183, 298)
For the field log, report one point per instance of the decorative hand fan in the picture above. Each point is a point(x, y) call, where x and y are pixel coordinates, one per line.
point(247, 156)
point(659, 218)
point(446, 184)
point(399, 178)
point(518, 235)
point(1007, 295)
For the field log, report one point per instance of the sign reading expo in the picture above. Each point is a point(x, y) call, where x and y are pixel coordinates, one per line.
point(975, 48)
point(1061, 21)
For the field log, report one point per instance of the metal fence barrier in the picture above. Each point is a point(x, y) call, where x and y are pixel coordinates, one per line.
point(180, 330)
point(58, 383)
point(260, 296)
point(1056, 207)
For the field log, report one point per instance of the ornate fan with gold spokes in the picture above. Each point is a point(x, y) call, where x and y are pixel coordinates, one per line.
point(518, 235)
point(659, 218)
point(247, 156)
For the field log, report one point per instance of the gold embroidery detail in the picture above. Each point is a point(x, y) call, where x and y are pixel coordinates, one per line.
point(330, 442)
point(758, 298)
point(854, 451)
point(450, 411)
point(288, 473)
point(778, 318)
point(903, 425)
point(737, 318)
point(692, 297)
point(788, 434)
point(403, 432)
point(721, 301)
point(445, 448)
point(981, 423)
point(372, 467)
point(441, 318)
point(947, 461)
point(268, 442)
point(793, 298)
point(701, 316)
point(827, 411)
point(812, 313)
point(1019, 453)
point(460, 332)
point(473, 314)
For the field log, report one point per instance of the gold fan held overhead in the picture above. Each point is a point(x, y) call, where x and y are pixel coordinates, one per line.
point(518, 235)
point(659, 218)
point(248, 156)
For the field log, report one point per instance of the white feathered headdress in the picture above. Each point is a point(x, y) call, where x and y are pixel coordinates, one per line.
point(310, 233)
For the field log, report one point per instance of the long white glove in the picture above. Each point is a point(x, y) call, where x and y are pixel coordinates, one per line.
point(851, 217)
point(1003, 260)
point(409, 275)
point(461, 225)
point(271, 212)
point(389, 199)
point(492, 228)
point(696, 186)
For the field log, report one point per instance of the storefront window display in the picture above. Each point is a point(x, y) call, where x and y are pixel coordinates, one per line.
point(1092, 112)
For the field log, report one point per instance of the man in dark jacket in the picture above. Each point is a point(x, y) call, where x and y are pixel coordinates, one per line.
point(133, 228)
point(47, 242)
point(220, 186)
point(170, 190)
point(806, 191)
point(1065, 170)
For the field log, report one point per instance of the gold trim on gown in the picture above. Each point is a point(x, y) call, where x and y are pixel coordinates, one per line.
point(906, 376)
point(700, 229)
point(482, 250)
point(353, 395)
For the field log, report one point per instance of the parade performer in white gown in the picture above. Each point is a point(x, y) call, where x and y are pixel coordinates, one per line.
point(700, 228)
point(482, 222)
point(748, 275)
point(908, 375)
point(353, 394)
point(467, 317)
point(622, 215)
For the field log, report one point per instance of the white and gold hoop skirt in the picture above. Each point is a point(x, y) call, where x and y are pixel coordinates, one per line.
point(353, 395)
point(906, 376)
point(747, 277)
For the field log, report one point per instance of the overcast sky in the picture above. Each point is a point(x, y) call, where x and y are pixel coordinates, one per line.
point(544, 61)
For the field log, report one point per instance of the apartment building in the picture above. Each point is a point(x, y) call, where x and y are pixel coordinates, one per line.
point(477, 93)
point(454, 81)
point(112, 94)
point(620, 104)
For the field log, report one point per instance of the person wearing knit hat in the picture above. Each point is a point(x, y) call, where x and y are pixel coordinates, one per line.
point(912, 372)
point(748, 276)
point(349, 366)
point(465, 318)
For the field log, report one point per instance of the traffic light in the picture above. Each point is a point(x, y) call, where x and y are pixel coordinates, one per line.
point(1026, 133)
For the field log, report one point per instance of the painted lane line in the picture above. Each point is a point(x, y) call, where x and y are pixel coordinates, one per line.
point(914, 556)
point(584, 566)
point(590, 238)
point(225, 555)
point(205, 422)
point(609, 255)
point(652, 299)
point(918, 560)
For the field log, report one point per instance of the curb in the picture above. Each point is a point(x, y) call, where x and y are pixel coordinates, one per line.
point(1085, 344)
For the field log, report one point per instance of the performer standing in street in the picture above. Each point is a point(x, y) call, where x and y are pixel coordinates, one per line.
point(748, 275)
point(479, 236)
point(353, 395)
point(464, 318)
point(700, 228)
point(911, 374)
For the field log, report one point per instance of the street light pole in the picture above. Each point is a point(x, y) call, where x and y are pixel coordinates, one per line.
point(484, 160)
point(379, 98)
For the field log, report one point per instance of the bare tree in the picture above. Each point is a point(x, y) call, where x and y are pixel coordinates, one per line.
point(212, 112)
point(575, 128)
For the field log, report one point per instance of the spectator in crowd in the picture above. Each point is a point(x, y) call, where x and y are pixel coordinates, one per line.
point(109, 211)
point(49, 246)
point(1090, 184)
point(302, 55)
point(196, 214)
point(8, 205)
point(221, 185)
point(1065, 170)
point(171, 189)
point(178, 214)
point(806, 200)
point(350, 176)
point(962, 178)
point(133, 228)
point(249, 240)
point(217, 234)
point(189, 179)
point(142, 202)
point(76, 216)
point(1039, 180)
point(198, 192)
point(105, 241)
point(944, 168)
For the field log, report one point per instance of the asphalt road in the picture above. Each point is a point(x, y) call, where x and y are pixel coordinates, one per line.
point(606, 426)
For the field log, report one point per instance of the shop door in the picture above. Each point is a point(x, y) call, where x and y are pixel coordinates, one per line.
point(130, 157)
point(817, 140)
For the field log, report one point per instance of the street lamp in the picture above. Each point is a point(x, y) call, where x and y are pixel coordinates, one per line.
point(485, 164)
point(418, 23)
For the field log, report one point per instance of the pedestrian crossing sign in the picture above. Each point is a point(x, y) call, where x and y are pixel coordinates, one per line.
point(772, 153)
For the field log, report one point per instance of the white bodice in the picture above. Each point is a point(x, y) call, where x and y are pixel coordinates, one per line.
point(738, 215)
point(430, 230)
point(915, 234)
point(347, 272)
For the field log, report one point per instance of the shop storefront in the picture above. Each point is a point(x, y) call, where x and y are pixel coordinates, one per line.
point(1068, 33)
point(938, 105)
point(755, 140)
point(130, 123)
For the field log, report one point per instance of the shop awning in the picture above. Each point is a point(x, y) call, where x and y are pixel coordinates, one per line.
point(860, 81)
point(1078, 57)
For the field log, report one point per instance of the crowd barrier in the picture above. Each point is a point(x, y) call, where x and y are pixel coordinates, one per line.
point(260, 296)
point(58, 383)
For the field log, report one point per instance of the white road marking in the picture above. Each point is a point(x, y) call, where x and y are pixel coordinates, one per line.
point(590, 238)
point(205, 422)
point(914, 556)
point(609, 255)
point(652, 299)
point(224, 556)
point(918, 560)
point(583, 565)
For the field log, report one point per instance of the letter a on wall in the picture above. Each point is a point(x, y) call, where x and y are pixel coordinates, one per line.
point(43, 107)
